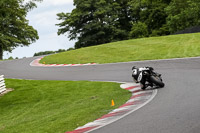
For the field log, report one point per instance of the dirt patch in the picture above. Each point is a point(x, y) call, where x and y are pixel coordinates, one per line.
point(7, 90)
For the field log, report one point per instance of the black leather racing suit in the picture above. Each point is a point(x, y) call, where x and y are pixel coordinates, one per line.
point(137, 75)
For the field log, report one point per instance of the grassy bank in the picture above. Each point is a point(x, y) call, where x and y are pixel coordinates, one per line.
point(56, 106)
point(174, 46)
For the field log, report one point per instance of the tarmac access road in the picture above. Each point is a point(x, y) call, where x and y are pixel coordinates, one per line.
point(175, 109)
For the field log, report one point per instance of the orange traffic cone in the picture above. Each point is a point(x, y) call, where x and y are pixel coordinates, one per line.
point(112, 103)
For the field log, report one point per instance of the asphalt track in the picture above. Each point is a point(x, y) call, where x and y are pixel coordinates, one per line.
point(175, 109)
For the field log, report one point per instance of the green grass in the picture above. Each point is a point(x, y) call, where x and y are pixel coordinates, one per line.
point(174, 46)
point(56, 106)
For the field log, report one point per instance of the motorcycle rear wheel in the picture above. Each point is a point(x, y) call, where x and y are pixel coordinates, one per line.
point(157, 81)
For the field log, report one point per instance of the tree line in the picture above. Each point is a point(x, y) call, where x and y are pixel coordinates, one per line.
point(51, 52)
point(94, 22)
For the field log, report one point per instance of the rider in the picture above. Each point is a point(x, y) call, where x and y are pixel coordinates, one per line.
point(136, 76)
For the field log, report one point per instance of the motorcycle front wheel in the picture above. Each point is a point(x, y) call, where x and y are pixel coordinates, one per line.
point(157, 81)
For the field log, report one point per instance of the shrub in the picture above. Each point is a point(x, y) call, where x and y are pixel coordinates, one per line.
point(139, 30)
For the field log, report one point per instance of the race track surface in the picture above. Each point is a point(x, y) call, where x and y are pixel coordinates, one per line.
point(175, 109)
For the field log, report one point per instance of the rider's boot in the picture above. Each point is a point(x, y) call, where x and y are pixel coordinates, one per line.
point(143, 86)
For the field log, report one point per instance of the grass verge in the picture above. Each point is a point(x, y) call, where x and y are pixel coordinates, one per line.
point(56, 106)
point(174, 46)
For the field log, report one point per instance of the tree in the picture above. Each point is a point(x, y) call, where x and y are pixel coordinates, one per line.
point(139, 30)
point(95, 22)
point(183, 14)
point(14, 28)
point(148, 13)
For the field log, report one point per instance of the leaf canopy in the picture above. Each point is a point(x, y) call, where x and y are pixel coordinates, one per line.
point(14, 27)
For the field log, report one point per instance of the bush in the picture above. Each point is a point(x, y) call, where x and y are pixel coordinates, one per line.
point(139, 30)
point(164, 30)
point(60, 50)
point(70, 49)
point(49, 52)
point(10, 58)
point(44, 53)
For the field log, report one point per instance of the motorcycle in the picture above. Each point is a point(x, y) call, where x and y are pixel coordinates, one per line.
point(147, 77)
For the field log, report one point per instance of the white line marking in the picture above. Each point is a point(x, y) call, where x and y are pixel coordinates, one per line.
point(116, 115)
point(152, 97)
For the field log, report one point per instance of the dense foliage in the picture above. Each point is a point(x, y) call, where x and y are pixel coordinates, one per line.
point(51, 52)
point(14, 27)
point(183, 14)
point(94, 22)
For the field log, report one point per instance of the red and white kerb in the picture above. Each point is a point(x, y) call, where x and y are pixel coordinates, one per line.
point(138, 99)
